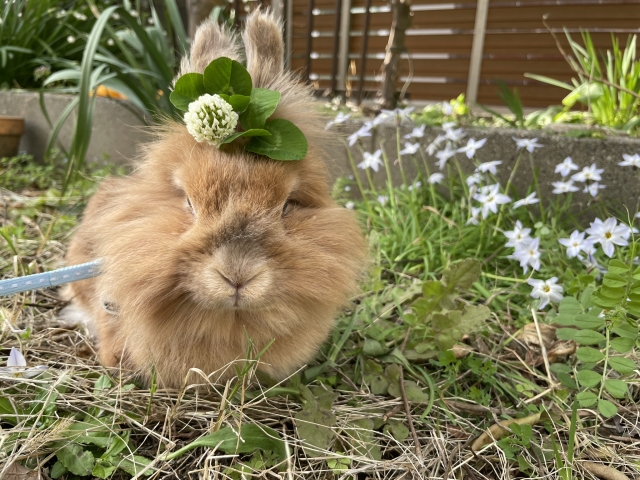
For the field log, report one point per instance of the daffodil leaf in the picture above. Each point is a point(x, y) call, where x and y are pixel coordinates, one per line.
point(263, 104)
point(287, 142)
point(187, 89)
point(256, 132)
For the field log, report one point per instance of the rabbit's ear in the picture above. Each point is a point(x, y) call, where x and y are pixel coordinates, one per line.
point(264, 48)
point(211, 41)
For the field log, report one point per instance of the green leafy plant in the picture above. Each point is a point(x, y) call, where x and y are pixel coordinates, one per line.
point(603, 323)
point(608, 84)
point(228, 79)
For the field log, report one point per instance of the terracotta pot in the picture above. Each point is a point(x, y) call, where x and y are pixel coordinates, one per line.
point(11, 129)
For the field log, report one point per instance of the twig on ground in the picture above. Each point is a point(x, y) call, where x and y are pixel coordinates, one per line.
point(407, 409)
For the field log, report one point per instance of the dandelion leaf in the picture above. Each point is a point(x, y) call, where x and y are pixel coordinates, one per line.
point(461, 275)
point(76, 459)
point(363, 441)
point(314, 423)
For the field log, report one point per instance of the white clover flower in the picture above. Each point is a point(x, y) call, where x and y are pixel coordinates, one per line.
point(435, 178)
point(410, 148)
point(591, 173)
point(608, 234)
point(371, 160)
point(593, 188)
point(518, 236)
point(490, 167)
point(528, 200)
point(575, 244)
point(528, 255)
point(472, 146)
point(364, 131)
point(630, 160)
point(546, 290)
point(564, 187)
point(340, 118)
point(530, 144)
point(490, 197)
point(418, 132)
point(210, 119)
point(565, 167)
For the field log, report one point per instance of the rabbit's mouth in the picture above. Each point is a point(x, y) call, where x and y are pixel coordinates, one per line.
point(244, 291)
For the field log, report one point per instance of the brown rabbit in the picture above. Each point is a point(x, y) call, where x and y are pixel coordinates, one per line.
point(203, 248)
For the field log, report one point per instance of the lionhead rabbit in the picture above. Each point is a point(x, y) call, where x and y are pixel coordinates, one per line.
point(204, 248)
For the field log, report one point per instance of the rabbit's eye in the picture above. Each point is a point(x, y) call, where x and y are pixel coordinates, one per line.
point(288, 207)
point(190, 205)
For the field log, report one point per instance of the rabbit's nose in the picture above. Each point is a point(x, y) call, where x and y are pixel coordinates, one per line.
point(234, 283)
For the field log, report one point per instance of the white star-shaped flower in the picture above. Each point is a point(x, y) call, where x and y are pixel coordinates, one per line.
point(575, 243)
point(630, 160)
point(471, 147)
point(475, 179)
point(340, 118)
point(528, 255)
point(593, 188)
point(518, 236)
point(444, 155)
point(474, 219)
point(435, 178)
point(565, 167)
point(546, 290)
point(490, 197)
point(383, 199)
point(364, 131)
point(564, 187)
point(418, 132)
point(350, 205)
point(608, 234)
point(416, 185)
point(371, 160)
point(491, 167)
point(530, 144)
point(410, 148)
point(433, 147)
point(454, 135)
point(528, 200)
point(591, 173)
point(17, 366)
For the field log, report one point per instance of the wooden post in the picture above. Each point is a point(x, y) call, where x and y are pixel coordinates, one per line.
point(345, 37)
point(363, 53)
point(477, 49)
point(395, 48)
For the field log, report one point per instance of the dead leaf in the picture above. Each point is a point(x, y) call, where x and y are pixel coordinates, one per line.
point(602, 471)
point(460, 350)
point(529, 335)
point(500, 429)
point(560, 350)
point(15, 471)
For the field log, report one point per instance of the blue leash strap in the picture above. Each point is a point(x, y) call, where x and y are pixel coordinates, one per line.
point(50, 279)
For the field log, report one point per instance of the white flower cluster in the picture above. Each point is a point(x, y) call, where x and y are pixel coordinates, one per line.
point(210, 119)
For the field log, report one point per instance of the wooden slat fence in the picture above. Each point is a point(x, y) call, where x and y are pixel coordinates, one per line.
point(436, 66)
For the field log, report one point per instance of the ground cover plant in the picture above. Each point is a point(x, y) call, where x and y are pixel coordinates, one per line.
point(495, 337)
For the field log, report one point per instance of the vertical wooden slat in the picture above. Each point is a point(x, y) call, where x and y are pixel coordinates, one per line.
point(307, 69)
point(363, 52)
point(477, 49)
point(343, 54)
point(336, 46)
point(288, 27)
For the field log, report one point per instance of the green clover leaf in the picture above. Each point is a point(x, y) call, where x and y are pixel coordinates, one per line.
point(286, 142)
point(263, 104)
point(187, 89)
point(226, 76)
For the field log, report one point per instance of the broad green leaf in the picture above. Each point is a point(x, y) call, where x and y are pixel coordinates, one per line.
point(373, 348)
point(566, 380)
point(587, 321)
point(612, 293)
point(240, 82)
point(135, 465)
point(379, 385)
point(588, 354)
point(617, 388)
point(76, 459)
point(248, 133)
point(217, 76)
point(102, 383)
point(263, 104)
point(570, 306)
point(287, 142)
point(238, 102)
point(188, 88)
point(566, 333)
point(363, 441)
point(613, 280)
point(606, 408)
point(626, 330)
point(461, 275)
point(633, 307)
point(587, 399)
point(588, 378)
point(618, 267)
point(313, 424)
point(622, 365)
point(588, 337)
point(397, 430)
point(565, 319)
point(57, 470)
point(622, 344)
point(254, 437)
point(415, 393)
point(103, 469)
